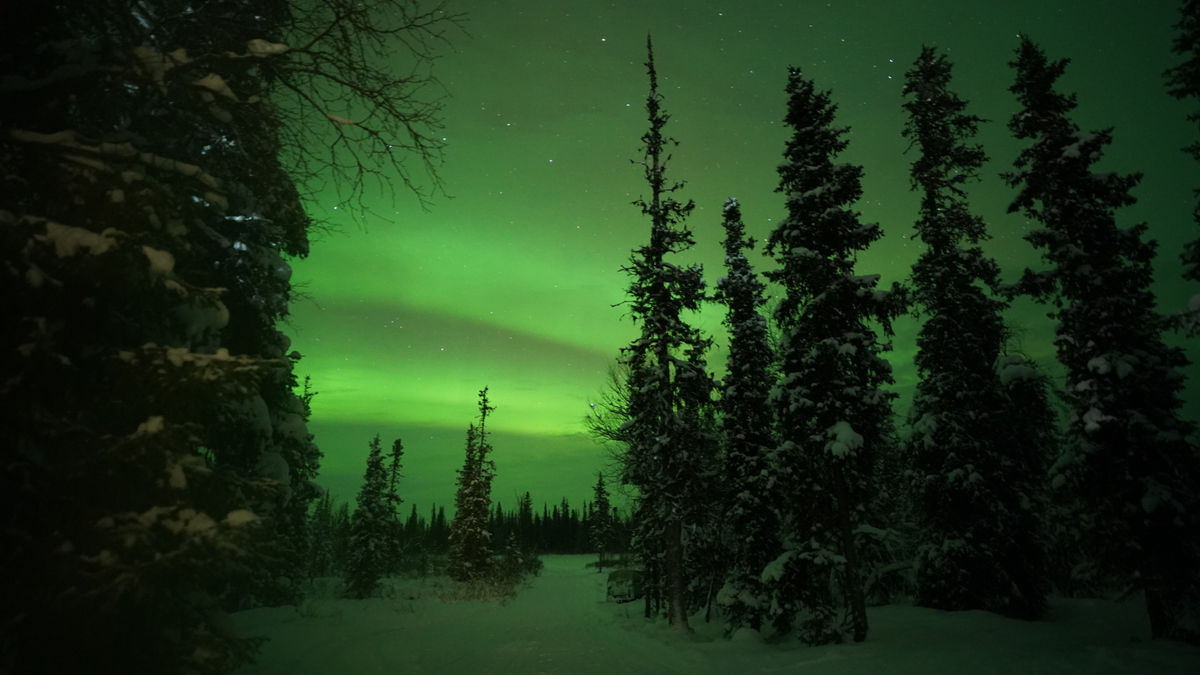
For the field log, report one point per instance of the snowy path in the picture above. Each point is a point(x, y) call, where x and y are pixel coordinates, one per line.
point(561, 624)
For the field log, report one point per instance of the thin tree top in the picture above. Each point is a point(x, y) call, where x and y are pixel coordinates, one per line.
point(820, 192)
point(939, 127)
point(1059, 154)
point(664, 211)
point(1034, 88)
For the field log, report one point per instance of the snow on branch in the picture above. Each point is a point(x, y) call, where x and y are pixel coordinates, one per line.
point(261, 49)
point(73, 145)
point(155, 64)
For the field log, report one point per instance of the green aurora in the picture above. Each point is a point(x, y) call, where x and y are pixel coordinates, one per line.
point(514, 281)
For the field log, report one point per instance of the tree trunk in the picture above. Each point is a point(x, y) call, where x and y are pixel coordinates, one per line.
point(1157, 609)
point(676, 586)
point(852, 581)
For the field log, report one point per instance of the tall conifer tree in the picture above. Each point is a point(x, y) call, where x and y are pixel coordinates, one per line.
point(321, 545)
point(1128, 458)
point(470, 536)
point(669, 385)
point(393, 500)
point(370, 529)
point(975, 491)
point(747, 426)
point(1183, 82)
point(156, 462)
point(830, 407)
point(600, 525)
point(525, 529)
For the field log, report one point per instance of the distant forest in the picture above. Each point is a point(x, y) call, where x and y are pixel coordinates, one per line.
point(422, 538)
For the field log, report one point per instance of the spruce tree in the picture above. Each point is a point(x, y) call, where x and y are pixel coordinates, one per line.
point(829, 405)
point(438, 535)
point(141, 478)
point(370, 529)
point(526, 532)
point(975, 490)
point(600, 521)
point(1127, 458)
point(1183, 82)
point(668, 382)
point(341, 537)
point(414, 529)
point(747, 427)
point(299, 451)
point(393, 500)
point(393, 474)
point(157, 467)
point(321, 532)
point(1032, 432)
point(470, 537)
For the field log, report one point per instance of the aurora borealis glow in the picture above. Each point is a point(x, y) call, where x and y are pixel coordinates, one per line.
point(511, 282)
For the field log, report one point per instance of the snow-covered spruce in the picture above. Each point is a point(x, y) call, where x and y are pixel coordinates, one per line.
point(600, 524)
point(153, 445)
point(748, 440)
point(393, 500)
point(1127, 463)
point(371, 529)
point(470, 538)
point(1183, 82)
point(831, 411)
point(670, 443)
point(977, 487)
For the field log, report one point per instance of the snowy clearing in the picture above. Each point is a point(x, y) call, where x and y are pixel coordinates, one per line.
point(561, 623)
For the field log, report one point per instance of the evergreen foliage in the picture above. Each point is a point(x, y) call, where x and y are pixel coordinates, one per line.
point(1127, 459)
point(470, 536)
point(392, 497)
point(747, 426)
point(669, 447)
point(517, 562)
point(341, 534)
point(830, 409)
point(524, 523)
point(151, 438)
point(157, 468)
point(600, 522)
point(438, 535)
point(560, 529)
point(322, 560)
point(371, 529)
point(887, 537)
point(302, 456)
point(1183, 82)
point(975, 489)
point(393, 500)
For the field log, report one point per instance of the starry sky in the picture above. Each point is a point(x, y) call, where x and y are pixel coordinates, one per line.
point(510, 281)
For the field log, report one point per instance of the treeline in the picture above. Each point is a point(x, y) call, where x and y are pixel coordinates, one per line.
point(785, 495)
point(483, 547)
point(422, 539)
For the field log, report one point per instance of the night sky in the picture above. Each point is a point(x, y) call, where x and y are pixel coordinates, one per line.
point(510, 282)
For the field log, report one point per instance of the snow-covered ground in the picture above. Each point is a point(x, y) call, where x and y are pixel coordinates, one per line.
point(561, 623)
